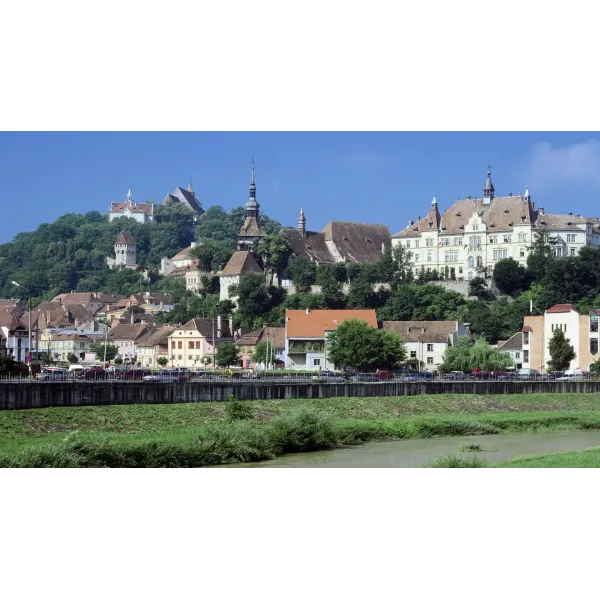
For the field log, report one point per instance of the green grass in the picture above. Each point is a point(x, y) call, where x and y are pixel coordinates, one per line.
point(184, 431)
point(580, 459)
point(455, 461)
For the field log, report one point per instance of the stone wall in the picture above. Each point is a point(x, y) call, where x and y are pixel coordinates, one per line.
point(42, 395)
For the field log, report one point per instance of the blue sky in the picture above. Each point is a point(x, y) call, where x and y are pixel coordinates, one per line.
point(384, 178)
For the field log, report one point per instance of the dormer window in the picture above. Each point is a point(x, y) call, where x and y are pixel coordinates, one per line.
point(523, 219)
point(506, 211)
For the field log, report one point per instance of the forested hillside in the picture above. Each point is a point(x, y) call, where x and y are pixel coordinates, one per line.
point(70, 254)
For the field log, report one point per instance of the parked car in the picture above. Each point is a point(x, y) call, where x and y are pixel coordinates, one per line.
point(383, 375)
point(133, 375)
point(53, 374)
point(528, 374)
point(161, 377)
point(93, 374)
point(328, 377)
point(179, 374)
point(573, 375)
point(454, 376)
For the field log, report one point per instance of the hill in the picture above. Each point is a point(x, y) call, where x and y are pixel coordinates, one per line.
point(70, 254)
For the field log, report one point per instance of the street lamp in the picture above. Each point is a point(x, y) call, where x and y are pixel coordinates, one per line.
point(29, 328)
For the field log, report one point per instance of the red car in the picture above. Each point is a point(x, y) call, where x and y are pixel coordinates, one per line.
point(383, 375)
point(133, 374)
point(94, 374)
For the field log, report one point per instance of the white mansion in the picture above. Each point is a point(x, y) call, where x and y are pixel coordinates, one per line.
point(473, 234)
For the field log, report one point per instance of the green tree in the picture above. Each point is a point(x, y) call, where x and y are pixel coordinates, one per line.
point(303, 273)
point(275, 251)
point(162, 361)
point(72, 358)
point(118, 360)
point(465, 356)
point(355, 344)
point(561, 351)
point(260, 352)
point(509, 276)
point(98, 349)
point(477, 287)
point(541, 257)
point(227, 354)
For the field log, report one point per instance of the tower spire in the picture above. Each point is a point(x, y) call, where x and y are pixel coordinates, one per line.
point(190, 188)
point(302, 222)
point(488, 188)
point(434, 200)
point(129, 196)
point(527, 195)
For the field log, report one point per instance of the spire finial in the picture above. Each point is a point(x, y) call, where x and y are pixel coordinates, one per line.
point(129, 196)
point(190, 188)
point(252, 182)
point(434, 200)
point(488, 188)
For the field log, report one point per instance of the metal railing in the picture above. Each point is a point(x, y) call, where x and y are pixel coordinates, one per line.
point(284, 377)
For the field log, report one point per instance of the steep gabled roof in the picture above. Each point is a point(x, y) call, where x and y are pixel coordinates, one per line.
point(126, 331)
point(357, 242)
point(513, 343)
point(312, 247)
point(241, 263)
point(422, 331)
point(251, 227)
point(275, 335)
point(186, 197)
point(120, 207)
point(431, 222)
point(206, 327)
point(566, 222)
point(125, 239)
point(158, 335)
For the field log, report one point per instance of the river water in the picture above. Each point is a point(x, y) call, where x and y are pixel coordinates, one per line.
point(416, 453)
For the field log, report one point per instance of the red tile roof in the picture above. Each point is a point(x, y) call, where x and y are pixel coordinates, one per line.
point(562, 308)
point(300, 324)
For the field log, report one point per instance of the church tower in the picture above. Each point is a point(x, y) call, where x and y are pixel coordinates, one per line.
point(251, 231)
point(125, 250)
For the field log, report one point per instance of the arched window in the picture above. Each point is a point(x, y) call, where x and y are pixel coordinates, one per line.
point(479, 261)
point(471, 261)
point(470, 275)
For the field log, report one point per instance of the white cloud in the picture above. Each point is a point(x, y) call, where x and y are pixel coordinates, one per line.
point(577, 164)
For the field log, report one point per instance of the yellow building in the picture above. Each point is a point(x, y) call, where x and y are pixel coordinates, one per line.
point(190, 343)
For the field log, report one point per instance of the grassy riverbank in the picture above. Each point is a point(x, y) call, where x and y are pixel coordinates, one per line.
point(200, 434)
point(581, 459)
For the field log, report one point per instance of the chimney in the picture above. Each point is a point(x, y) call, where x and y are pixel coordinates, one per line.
point(541, 210)
point(419, 218)
point(308, 311)
point(219, 326)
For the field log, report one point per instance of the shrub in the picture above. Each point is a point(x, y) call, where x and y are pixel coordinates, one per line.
point(236, 410)
point(454, 461)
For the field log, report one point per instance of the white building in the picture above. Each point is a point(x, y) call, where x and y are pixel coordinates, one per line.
point(426, 341)
point(140, 212)
point(306, 334)
point(473, 234)
point(240, 264)
point(513, 346)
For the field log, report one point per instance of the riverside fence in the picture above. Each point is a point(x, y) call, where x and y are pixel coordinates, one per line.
point(14, 396)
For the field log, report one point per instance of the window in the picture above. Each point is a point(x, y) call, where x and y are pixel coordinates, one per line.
point(179, 345)
point(416, 258)
point(430, 360)
point(557, 251)
point(594, 346)
point(179, 357)
point(479, 261)
point(526, 356)
point(594, 322)
point(416, 243)
point(413, 354)
point(499, 254)
point(475, 226)
point(429, 242)
point(522, 237)
point(471, 261)
point(429, 257)
point(408, 244)
point(475, 241)
point(526, 337)
point(573, 251)
point(316, 362)
point(521, 252)
point(570, 237)
point(190, 345)
point(507, 239)
point(429, 347)
point(458, 241)
point(451, 256)
point(493, 239)
point(190, 357)
point(517, 355)
point(444, 242)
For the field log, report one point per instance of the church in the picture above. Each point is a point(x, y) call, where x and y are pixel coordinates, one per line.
point(143, 213)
